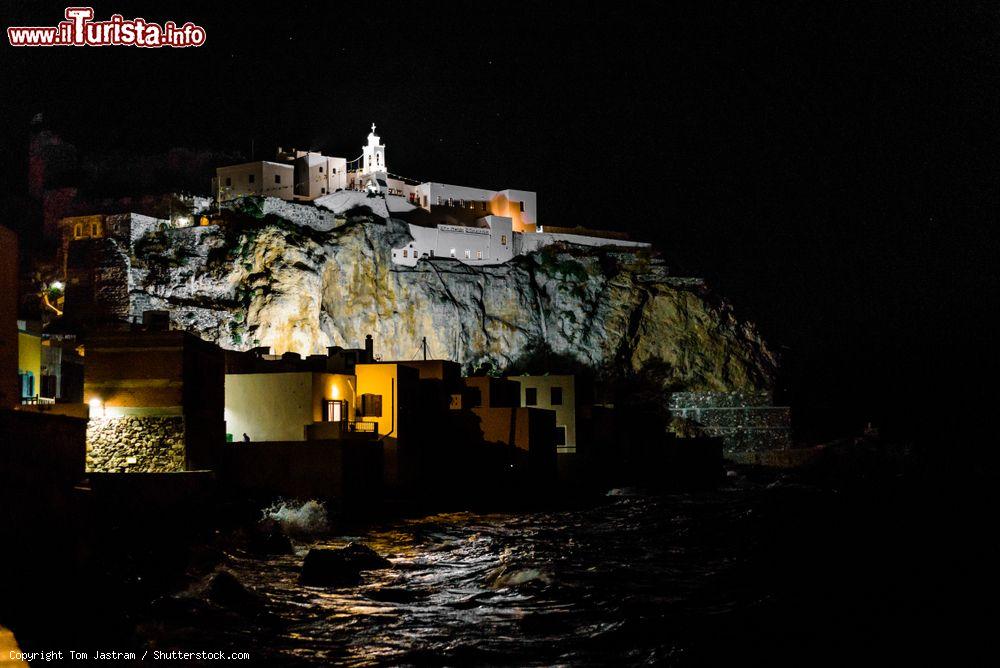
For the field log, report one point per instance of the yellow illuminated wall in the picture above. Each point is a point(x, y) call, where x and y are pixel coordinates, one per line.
point(82, 227)
point(29, 356)
point(501, 206)
point(329, 387)
point(279, 406)
point(381, 379)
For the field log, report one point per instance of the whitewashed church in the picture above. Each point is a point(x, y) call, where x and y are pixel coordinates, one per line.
point(471, 225)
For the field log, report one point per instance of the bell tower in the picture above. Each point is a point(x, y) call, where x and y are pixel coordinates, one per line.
point(374, 154)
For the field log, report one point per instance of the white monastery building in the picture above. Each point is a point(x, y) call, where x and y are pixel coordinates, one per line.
point(471, 225)
point(490, 244)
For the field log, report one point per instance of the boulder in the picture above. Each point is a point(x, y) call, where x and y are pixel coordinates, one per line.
point(329, 566)
point(225, 590)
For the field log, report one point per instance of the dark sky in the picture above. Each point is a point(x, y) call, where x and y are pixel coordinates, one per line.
point(831, 170)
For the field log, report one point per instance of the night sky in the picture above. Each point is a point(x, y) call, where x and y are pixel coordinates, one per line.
point(832, 171)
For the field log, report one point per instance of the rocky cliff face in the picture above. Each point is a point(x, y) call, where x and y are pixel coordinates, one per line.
point(297, 278)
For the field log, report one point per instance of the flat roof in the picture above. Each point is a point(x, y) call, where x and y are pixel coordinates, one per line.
point(257, 162)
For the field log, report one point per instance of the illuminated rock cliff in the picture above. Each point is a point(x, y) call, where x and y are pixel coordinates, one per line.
point(299, 278)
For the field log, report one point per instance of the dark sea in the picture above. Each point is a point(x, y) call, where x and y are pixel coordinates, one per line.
point(757, 572)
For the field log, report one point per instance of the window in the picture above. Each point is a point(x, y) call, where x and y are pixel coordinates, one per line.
point(461, 203)
point(425, 201)
point(432, 252)
point(277, 178)
point(556, 396)
point(27, 384)
point(531, 396)
point(483, 205)
point(439, 200)
point(321, 169)
point(229, 181)
point(371, 405)
point(472, 205)
point(334, 411)
point(322, 191)
point(479, 255)
point(468, 254)
point(521, 204)
point(93, 229)
point(251, 178)
point(453, 252)
point(561, 435)
point(78, 231)
point(503, 239)
point(405, 253)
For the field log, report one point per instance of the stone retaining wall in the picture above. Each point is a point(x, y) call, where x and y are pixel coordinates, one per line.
point(148, 444)
point(746, 422)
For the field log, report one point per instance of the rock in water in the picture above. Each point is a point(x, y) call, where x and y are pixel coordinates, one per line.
point(329, 566)
point(224, 589)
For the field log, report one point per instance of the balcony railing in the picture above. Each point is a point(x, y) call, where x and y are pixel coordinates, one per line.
point(36, 401)
point(362, 427)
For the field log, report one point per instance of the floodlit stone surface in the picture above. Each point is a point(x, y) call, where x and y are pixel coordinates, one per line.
point(136, 444)
point(300, 278)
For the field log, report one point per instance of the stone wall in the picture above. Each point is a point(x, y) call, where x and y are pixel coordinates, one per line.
point(148, 444)
point(97, 280)
point(745, 421)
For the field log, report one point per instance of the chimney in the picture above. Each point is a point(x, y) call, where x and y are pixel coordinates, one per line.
point(369, 349)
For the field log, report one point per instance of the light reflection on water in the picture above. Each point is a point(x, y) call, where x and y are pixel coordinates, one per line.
point(601, 585)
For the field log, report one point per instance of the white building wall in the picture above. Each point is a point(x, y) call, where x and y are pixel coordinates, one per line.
point(493, 244)
point(443, 194)
point(529, 243)
point(521, 206)
point(528, 202)
point(318, 174)
point(463, 243)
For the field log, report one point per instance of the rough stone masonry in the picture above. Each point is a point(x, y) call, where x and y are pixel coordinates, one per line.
point(151, 444)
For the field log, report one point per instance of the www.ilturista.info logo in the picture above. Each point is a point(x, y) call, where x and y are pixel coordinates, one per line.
point(79, 29)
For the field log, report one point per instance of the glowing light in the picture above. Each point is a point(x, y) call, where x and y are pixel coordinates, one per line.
point(57, 285)
point(96, 407)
